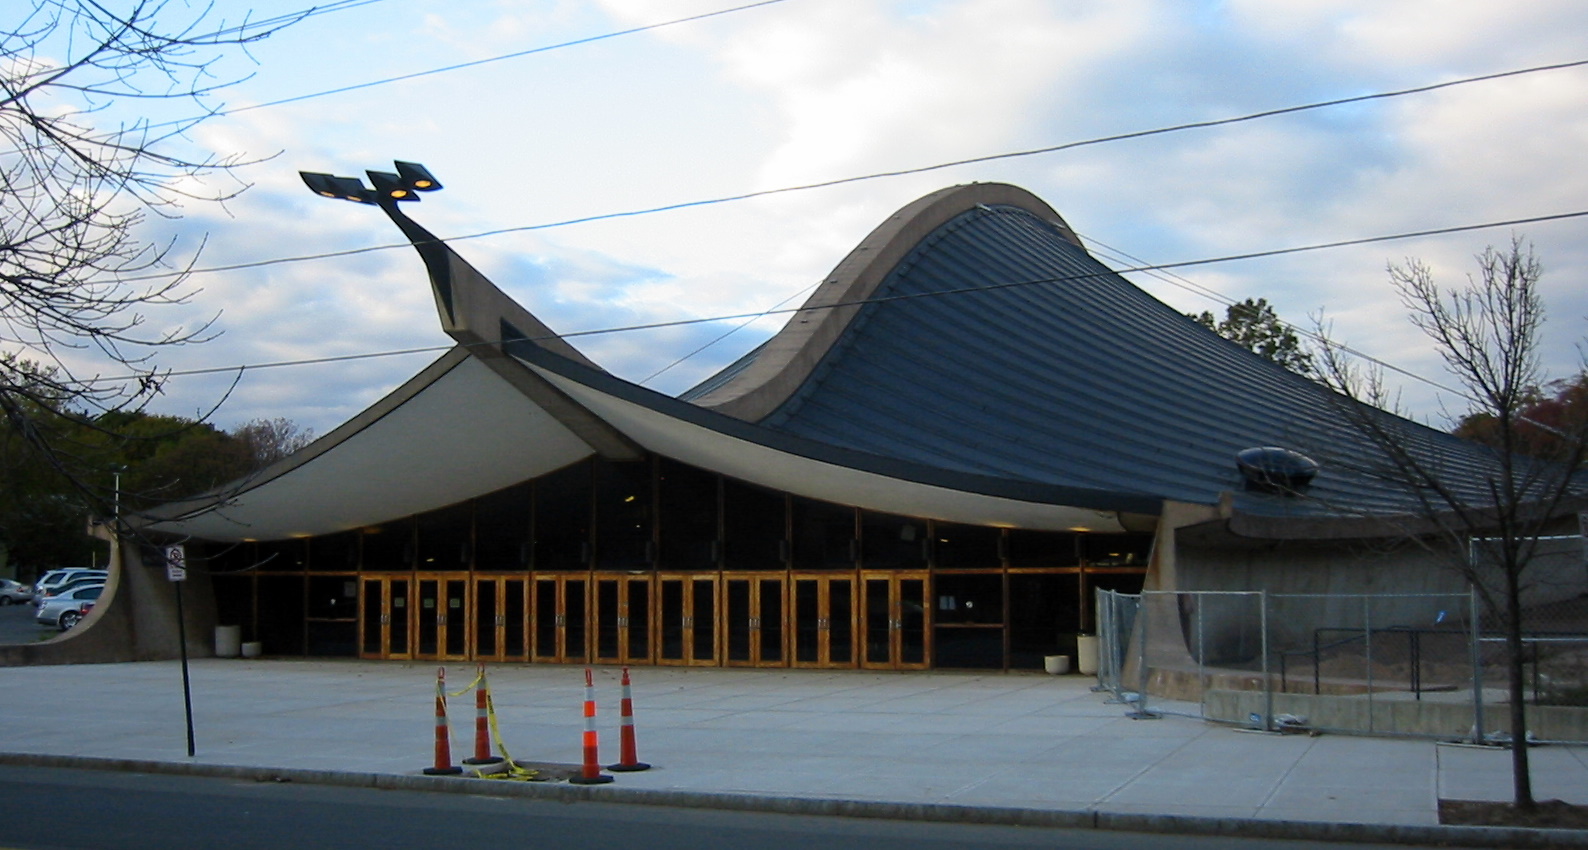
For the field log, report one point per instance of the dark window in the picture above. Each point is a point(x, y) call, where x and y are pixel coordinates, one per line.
point(892, 542)
point(824, 535)
point(623, 515)
point(754, 527)
point(688, 506)
point(281, 556)
point(334, 552)
point(281, 621)
point(502, 522)
point(444, 538)
point(1042, 548)
point(562, 519)
point(965, 547)
point(389, 547)
point(969, 598)
point(333, 597)
point(1044, 617)
point(1118, 550)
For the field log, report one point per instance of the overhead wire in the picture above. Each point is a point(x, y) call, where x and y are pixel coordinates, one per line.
point(840, 181)
point(672, 323)
point(473, 63)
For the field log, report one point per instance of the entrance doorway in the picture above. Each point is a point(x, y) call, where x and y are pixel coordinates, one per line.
point(623, 619)
point(753, 614)
point(442, 616)
point(384, 627)
point(500, 616)
point(560, 617)
point(687, 619)
point(894, 620)
point(824, 621)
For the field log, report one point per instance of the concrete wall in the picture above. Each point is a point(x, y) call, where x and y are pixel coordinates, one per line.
point(135, 620)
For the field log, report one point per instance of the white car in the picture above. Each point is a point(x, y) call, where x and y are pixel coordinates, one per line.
point(14, 593)
point(57, 578)
point(65, 610)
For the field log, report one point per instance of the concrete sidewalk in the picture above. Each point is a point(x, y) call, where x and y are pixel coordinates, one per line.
point(953, 742)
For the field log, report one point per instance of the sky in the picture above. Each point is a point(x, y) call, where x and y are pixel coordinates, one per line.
point(796, 92)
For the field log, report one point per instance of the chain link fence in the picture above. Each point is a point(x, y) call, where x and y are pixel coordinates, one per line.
point(1424, 665)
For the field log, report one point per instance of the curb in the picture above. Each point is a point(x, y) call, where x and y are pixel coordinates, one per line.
point(1432, 836)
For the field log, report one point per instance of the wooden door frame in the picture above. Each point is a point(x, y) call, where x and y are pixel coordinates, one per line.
point(560, 605)
point(501, 581)
point(895, 616)
point(824, 653)
point(758, 605)
point(384, 580)
point(714, 622)
point(624, 581)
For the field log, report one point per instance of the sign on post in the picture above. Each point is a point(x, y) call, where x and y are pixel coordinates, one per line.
point(175, 563)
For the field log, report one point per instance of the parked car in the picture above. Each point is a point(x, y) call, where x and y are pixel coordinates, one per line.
point(65, 610)
point(54, 579)
point(14, 593)
point(72, 584)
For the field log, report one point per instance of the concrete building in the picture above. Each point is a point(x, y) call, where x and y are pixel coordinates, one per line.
point(970, 426)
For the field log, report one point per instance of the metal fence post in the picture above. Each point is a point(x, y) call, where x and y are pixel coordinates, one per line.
point(1477, 664)
point(1202, 656)
point(1367, 637)
point(1268, 680)
point(1143, 616)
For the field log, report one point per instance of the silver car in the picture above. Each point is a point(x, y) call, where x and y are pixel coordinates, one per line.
point(69, 608)
point(14, 593)
point(55, 579)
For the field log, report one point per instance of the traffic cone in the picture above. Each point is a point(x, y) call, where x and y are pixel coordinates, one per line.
point(482, 728)
point(591, 773)
point(628, 759)
point(443, 765)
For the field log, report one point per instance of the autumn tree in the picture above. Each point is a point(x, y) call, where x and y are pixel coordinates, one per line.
point(1489, 523)
point(1253, 325)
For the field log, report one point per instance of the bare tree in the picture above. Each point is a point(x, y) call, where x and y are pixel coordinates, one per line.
point(82, 168)
point(1488, 520)
point(270, 440)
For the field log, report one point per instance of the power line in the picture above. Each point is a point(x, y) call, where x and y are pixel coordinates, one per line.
point(475, 63)
point(673, 323)
point(1138, 134)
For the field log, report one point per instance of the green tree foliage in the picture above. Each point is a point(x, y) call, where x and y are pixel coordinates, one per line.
point(1253, 325)
point(44, 511)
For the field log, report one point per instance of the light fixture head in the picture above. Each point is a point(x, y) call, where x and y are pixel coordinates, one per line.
point(331, 186)
point(417, 177)
point(391, 187)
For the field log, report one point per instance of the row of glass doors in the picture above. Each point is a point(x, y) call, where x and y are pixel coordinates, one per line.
point(875, 620)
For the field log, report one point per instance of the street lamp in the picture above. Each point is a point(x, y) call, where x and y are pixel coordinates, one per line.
point(409, 179)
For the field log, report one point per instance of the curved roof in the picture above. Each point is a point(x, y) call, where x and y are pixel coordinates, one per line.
point(968, 361)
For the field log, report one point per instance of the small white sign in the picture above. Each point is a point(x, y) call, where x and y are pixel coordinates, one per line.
point(176, 563)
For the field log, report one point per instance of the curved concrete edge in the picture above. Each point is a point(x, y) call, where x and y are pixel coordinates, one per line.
point(1356, 833)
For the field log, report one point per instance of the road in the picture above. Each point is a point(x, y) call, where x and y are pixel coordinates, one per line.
point(55, 809)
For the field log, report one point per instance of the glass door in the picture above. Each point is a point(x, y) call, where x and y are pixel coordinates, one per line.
point(384, 613)
point(753, 620)
point(443, 617)
point(687, 620)
point(560, 617)
point(894, 622)
point(501, 618)
point(824, 621)
point(623, 619)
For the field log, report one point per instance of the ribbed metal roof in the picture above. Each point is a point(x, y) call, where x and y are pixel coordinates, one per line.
point(999, 347)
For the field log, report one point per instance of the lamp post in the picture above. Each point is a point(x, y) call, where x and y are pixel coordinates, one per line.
point(389, 188)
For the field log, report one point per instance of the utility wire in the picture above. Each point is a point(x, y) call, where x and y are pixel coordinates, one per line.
point(1138, 134)
point(475, 63)
point(1141, 267)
